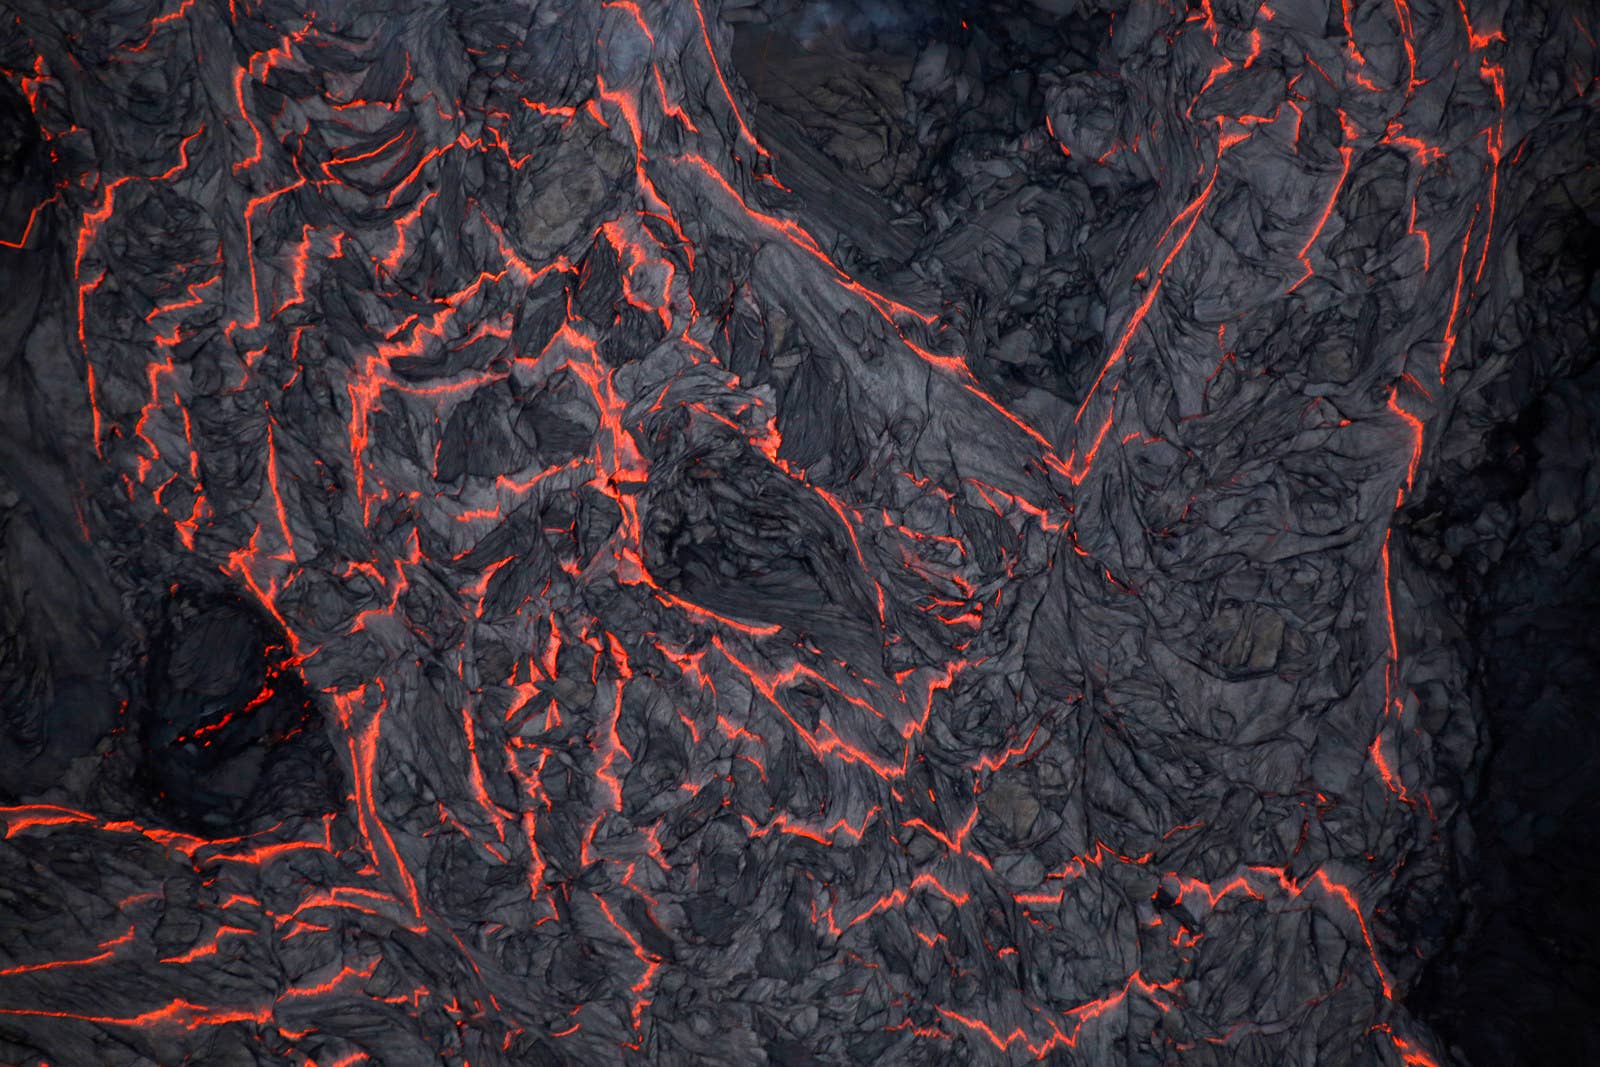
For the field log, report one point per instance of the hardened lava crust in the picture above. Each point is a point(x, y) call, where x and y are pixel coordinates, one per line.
point(864, 532)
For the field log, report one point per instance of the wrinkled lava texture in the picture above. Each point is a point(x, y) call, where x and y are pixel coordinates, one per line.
point(866, 532)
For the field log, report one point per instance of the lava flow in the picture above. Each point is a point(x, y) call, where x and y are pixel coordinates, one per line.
point(771, 532)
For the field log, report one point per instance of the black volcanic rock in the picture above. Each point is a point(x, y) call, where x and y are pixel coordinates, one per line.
point(797, 533)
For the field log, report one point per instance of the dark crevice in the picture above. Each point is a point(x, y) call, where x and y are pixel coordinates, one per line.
point(228, 738)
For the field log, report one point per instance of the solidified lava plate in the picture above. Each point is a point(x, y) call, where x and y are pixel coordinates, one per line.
point(863, 532)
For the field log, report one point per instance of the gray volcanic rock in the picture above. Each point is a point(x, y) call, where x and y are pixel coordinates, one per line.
point(797, 533)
